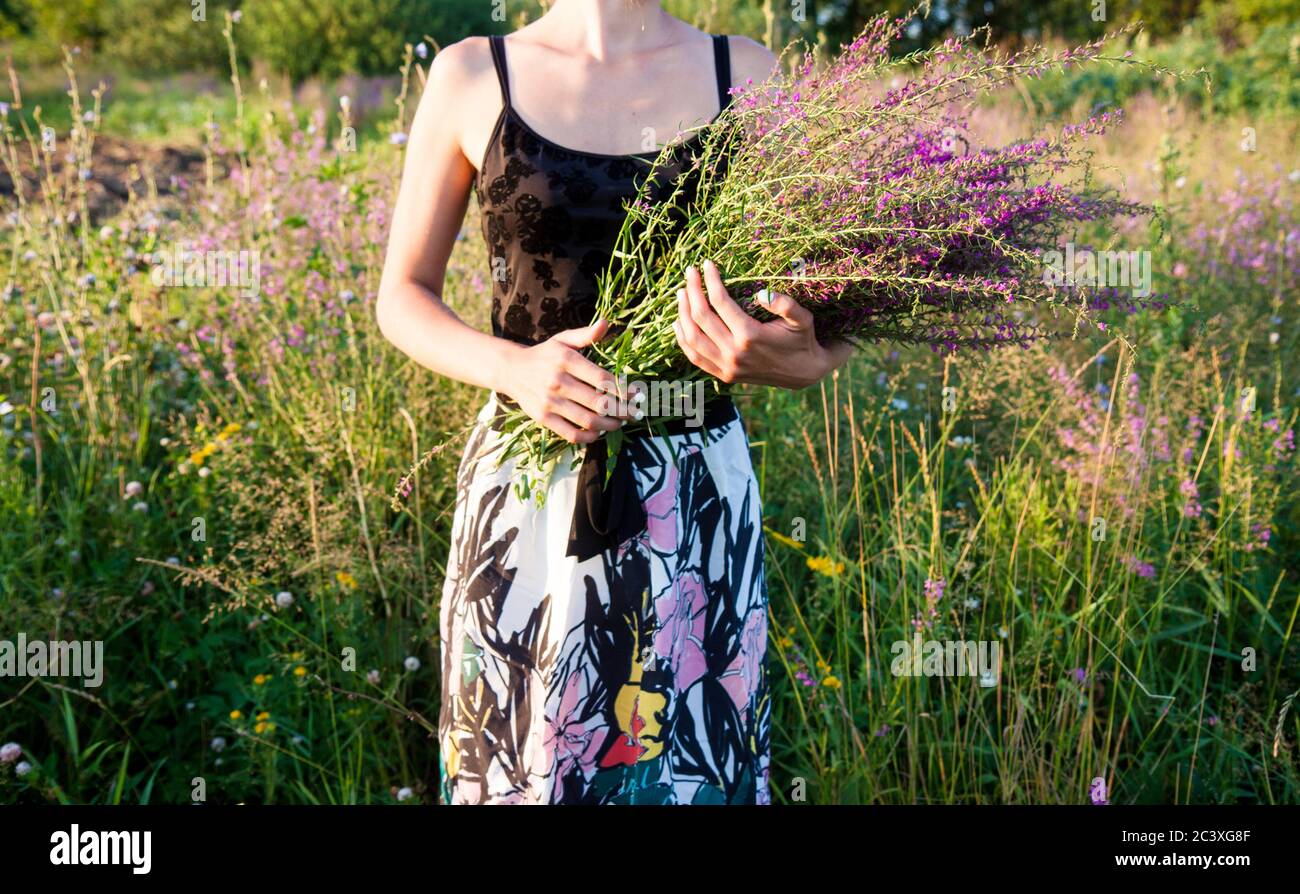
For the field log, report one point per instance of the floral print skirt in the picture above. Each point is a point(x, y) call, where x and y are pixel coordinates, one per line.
point(634, 677)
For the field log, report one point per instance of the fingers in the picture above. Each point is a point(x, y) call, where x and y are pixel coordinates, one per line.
point(701, 311)
point(567, 430)
point(583, 336)
point(795, 314)
point(735, 319)
point(695, 343)
point(689, 343)
point(604, 402)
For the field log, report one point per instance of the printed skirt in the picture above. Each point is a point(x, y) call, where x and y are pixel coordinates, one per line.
point(634, 677)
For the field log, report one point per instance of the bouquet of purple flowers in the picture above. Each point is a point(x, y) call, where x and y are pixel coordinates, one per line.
point(854, 189)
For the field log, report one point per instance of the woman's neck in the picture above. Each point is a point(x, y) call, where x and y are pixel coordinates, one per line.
point(605, 28)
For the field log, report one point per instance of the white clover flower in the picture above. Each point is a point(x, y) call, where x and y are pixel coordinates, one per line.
point(56, 593)
point(23, 768)
point(972, 603)
point(421, 50)
point(373, 677)
point(899, 403)
point(1003, 632)
point(411, 663)
point(284, 599)
point(204, 472)
point(134, 489)
point(219, 744)
point(141, 506)
point(173, 560)
point(345, 102)
point(988, 679)
point(6, 408)
point(10, 752)
point(404, 794)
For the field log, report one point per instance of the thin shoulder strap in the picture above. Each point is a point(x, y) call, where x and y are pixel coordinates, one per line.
point(722, 63)
point(498, 45)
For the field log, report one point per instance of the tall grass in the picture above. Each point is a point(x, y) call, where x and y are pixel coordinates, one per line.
point(134, 418)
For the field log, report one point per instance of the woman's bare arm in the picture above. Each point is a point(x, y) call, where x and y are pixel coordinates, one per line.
point(552, 381)
point(431, 204)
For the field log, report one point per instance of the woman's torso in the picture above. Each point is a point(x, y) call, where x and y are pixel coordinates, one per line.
point(551, 214)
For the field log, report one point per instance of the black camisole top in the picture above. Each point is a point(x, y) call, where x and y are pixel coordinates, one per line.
point(551, 215)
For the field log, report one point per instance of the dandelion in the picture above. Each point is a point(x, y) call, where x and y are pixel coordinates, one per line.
point(411, 663)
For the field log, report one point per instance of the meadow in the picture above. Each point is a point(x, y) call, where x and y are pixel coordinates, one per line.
point(206, 479)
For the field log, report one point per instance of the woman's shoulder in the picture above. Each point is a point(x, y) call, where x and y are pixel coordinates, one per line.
point(750, 59)
point(463, 62)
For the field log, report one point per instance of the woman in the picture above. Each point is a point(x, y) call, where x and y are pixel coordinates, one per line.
point(594, 649)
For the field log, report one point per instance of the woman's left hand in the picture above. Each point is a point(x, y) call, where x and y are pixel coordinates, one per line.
point(718, 336)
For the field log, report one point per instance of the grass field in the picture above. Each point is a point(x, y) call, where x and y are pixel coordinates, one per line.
point(203, 481)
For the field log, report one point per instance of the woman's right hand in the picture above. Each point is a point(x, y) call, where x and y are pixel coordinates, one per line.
point(561, 389)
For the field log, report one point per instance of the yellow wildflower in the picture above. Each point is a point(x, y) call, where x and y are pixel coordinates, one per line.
point(263, 727)
point(831, 682)
point(231, 429)
point(264, 715)
point(236, 714)
point(198, 456)
point(825, 565)
point(260, 679)
point(296, 656)
point(781, 538)
point(346, 580)
point(300, 671)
